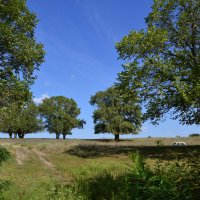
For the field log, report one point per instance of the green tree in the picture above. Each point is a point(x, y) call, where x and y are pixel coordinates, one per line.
point(60, 114)
point(164, 61)
point(21, 120)
point(20, 54)
point(8, 118)
point(116, 113)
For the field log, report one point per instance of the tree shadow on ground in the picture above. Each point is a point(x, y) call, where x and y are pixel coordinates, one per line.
point(160, 152)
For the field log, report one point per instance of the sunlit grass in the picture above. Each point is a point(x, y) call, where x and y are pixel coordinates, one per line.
point(72, 159)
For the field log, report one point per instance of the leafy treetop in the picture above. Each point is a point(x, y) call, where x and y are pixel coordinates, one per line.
point(60, 114)
point(164, 61)
point(115, 112)
point(20, 54)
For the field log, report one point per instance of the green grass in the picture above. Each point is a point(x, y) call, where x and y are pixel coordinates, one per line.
point(40, 168)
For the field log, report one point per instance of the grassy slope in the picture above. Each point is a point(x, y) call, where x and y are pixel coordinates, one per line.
point(37, 164)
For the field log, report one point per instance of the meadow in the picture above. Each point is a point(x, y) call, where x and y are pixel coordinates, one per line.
point(55, 169)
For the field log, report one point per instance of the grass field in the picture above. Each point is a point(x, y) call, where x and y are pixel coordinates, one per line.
point(37, 165)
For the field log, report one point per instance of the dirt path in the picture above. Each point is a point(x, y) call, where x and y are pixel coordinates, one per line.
point(42, 157)
point(21, 155)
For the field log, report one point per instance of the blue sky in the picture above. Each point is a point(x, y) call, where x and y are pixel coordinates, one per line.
point(79, 38)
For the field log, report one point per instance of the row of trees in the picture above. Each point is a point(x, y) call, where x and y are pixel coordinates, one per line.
point(57, 114)
point(115, 114)
point(162, 74)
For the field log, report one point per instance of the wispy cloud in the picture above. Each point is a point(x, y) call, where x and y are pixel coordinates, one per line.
point(96, 20)
point(91, 68)
point(40, 99)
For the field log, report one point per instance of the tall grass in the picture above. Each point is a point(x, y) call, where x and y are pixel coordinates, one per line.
point(4, 155)
point(4, 185)
point(175, 181)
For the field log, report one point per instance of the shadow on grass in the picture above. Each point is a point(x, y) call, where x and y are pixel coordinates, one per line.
point(161, 152)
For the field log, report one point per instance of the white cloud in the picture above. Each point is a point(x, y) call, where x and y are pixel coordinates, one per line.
point(96, 20)
point(40, 99)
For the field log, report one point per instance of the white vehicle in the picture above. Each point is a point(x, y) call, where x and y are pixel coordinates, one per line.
point(179, 144)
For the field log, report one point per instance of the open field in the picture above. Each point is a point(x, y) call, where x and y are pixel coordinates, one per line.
point(36, 165)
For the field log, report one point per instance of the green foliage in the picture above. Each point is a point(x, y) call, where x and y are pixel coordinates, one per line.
point(164, 65)
point(4, 185)
point(60, 114)
point(20, 54)
point(165, 181)
point(61, 192)
point(4, 155)
point(116, 113)
point(21, 120)
point(103, 186)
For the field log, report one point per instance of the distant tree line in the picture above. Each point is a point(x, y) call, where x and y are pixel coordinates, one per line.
point(194, 135)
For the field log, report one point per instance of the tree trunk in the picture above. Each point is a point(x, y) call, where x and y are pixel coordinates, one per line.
point(15, 135)
point(64, 136)
point(117, 137)
point(10, 135)
point(20, 135)
point(57, 136)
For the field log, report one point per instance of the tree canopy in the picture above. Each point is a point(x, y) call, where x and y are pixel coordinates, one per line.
point(60, 115)
point(116, 113)
point(20, 54)
point(164, 61)
point(21, 120)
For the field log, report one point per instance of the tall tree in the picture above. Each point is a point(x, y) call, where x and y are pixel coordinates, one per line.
point(20, 54)
point(21, 120)
point(60, 114)
point(164, 61)
point(116, 113)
